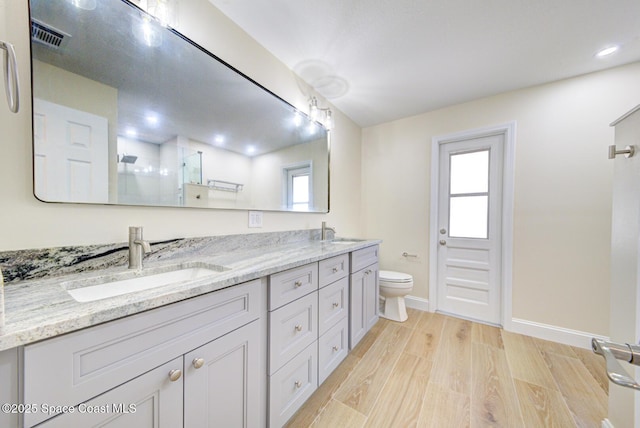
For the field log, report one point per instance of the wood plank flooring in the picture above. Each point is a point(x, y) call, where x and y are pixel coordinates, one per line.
point(439, 371)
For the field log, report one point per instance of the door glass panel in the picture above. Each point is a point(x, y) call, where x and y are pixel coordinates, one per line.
point(470, 172)
point(468, 216)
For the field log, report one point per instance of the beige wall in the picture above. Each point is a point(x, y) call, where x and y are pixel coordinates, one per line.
point(562, 191)
point(28, 223)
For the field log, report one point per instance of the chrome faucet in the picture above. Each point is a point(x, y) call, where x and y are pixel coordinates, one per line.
point(137, 247)
point(324, 230)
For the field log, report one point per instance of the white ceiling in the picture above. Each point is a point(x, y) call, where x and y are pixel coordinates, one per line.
point(380, 60)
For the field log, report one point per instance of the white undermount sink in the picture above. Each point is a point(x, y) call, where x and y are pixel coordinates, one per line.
point(89, 290)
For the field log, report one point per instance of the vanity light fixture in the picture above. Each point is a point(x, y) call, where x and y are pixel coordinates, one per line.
point(607, 51)
point(315, 113)
point(163, 10)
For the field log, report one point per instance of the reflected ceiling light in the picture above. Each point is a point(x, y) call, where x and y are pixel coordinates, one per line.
point(251, 149)
point(83, 4)
point(152, 119)
point(146, 32)
point(130, 132)
point(218, 139)
point(297, 118)
point(318, 114)
point(607, 51)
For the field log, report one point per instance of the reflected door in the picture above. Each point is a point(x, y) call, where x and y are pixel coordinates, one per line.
point(70, 154)
point(470, 224)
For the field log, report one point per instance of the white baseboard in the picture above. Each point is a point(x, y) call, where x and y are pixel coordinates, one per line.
point(417, 303)
point(606, 423)
point(553, 333)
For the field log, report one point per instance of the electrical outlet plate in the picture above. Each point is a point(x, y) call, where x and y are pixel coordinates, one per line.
point(255, 218)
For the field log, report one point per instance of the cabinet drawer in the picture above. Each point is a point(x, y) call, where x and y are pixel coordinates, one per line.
point(333, 304)
point(73, 368)
point(292, 385)
point(333, 269)
point(364, 257)
point(287, 286)
point(291, 329)
point(333, 347)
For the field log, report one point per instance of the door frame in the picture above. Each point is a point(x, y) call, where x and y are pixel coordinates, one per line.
point(508, 130)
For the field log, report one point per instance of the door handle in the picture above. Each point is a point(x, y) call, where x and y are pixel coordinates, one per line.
point(11, 84)
point(612, 352)
point(628, 151)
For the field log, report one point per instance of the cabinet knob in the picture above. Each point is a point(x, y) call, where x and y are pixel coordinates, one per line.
point(298, 327)
point(298, 384)
point(335, 269)
point(298, 284)
point(335, 349)
point(174, 375)
point(198, 362)
point(336, 304)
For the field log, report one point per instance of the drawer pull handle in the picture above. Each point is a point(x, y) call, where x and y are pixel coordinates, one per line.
point(198, 362)
point(335, 348)
point(298, 384)
point(336, 304)
point(298, 284)
point(298, 327)
point(335, 269)
point(174, 375)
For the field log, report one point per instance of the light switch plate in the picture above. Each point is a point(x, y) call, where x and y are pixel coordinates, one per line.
point(255, 218)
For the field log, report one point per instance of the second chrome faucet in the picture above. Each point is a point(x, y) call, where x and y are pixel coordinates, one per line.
point(137, 247)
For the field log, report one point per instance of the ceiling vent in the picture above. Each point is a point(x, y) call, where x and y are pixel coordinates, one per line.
point(47, 35)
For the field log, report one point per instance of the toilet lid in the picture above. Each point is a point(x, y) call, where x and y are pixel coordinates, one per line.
point(392, 276)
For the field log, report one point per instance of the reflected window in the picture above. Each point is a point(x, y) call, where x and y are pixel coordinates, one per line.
point(298, 187)
point(469, 195)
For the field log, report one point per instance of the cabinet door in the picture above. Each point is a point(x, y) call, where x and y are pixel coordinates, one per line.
point(364, 296)
point(150, 400)
point(357, 314)
point(223, 381)
point(372, 295)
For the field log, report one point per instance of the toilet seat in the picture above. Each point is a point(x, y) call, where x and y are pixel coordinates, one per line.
point(393, 277)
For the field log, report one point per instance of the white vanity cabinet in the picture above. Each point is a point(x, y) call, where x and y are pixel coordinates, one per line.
point(365, 294)
point(333, 316)
point(293, 340)
point(308, 332)
point(197, 361)
point(9, 387)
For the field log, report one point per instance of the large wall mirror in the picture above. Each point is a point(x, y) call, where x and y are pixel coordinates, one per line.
point(128, 111)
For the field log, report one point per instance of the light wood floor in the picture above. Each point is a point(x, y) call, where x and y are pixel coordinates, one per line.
point(439, 371)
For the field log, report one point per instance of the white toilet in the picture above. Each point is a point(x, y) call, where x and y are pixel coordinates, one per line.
point(393, 287)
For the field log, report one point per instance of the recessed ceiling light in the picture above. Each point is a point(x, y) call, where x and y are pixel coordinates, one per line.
point(607, 51)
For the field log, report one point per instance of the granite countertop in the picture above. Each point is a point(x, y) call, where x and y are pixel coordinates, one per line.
point(37, 309)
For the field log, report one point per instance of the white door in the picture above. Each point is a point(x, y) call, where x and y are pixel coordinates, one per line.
point(71, 154)
point(469, 254)
point(624, 326)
